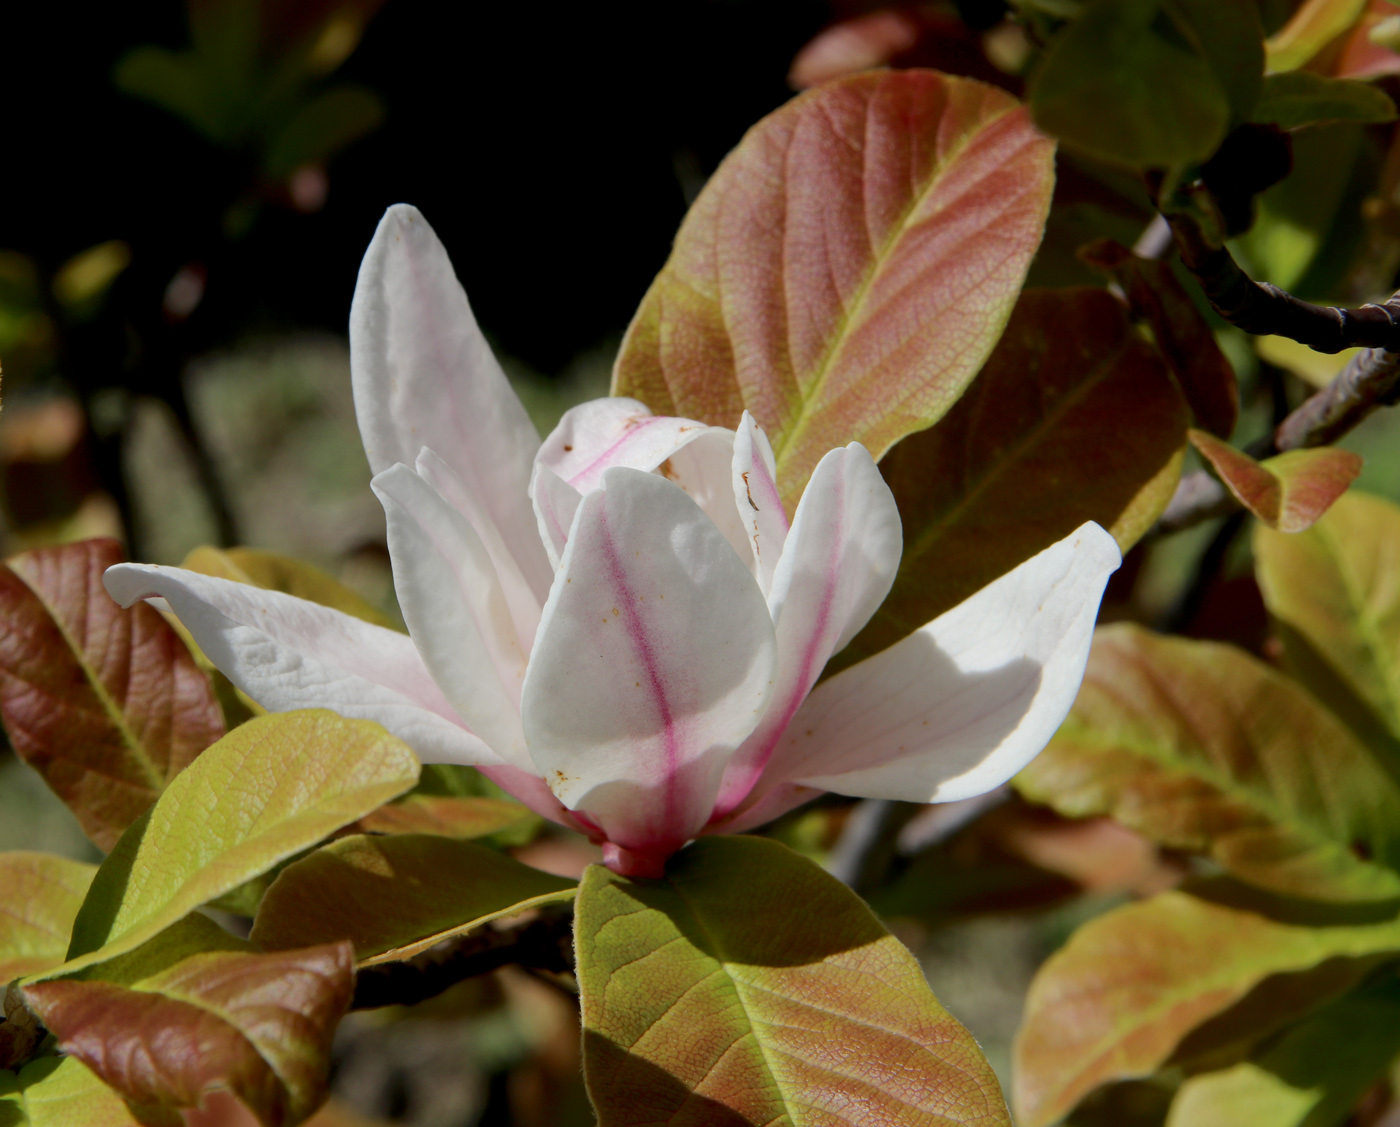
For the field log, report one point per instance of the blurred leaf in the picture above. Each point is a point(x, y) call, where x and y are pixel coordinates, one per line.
point(258, 1024)
point(1230, 38)
point(1312, 1076)
point(286, 574)
point(106, 704)
point(1199, 746)
point(42, 894)
point(1020, 462)
point(1118, 998)
point(1125, 84)
point(60, 1092)
point(454, 817)
point(177, 83)
point(847, 269)
point(320, 127)
point(1300, 98)
point(1335, 594)
point(87, 276)
point(1289, 491)
point(747, 987)
point(1315, 368)
point(1182, 334)
point(1314, 25)
point(393, 897)
point(264, 792)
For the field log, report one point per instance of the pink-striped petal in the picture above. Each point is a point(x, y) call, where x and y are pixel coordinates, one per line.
point(754, 476)
point(964, 703)
point(836, 568)
point(556, 502)
point(654, 660)
point(455, 609)
point(424, 376)
point(287, 653)
point(595, 436)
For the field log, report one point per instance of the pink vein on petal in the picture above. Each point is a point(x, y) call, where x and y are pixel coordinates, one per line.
point(634, 428)
point(636, 630)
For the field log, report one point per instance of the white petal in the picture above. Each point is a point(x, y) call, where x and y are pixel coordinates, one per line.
point(755, 480)
point(455, 609)
point(288, 653)
point(424, 376)
point(556, 502)
point(602, 433)
point(965, 702)
point(704, 468)
point(520, 597)
point(654, 661)
point(836, 568)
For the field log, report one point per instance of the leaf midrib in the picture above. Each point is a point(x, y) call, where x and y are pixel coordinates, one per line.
point(154, 778)
point(879, 261)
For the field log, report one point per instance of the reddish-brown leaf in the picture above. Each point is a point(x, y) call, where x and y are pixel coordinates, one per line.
point(259, 1025)
point(1183, 336)
point(1289, 491)
point(847, 269)
point(106, 704)
point(1023, 459)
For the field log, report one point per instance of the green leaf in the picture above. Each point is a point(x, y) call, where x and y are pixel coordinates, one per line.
point(175, 82)
point(286, 574)
point(1119, 998)
point(1311, 1076)
point(328, 122)
point(1289, 491)
point(1020, 462)
point(848, 268)
point(61, 1092)
point(1333, 594)
point(1124, 84)
point(394, 897)
point(749, 987)
point(1230, 38)
point(1181, 333)
point(1300, 98)
point(1199, 746)
point(42, 894)
point(106, 704)
point(257, 1024)
point(263, 793)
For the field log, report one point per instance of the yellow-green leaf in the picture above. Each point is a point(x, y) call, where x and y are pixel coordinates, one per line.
point(40, 899)
point(749, 987)
point(61, 1092)
point(263, 793)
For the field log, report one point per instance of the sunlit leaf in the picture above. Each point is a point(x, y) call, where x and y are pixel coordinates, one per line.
point(286, 574)
point(1311, 1076)
point(749, 987)
point(257, 1024)
point(1289, 491)
point(41, 897)
point(1119, 997)
point(1021, 462)
point(393, 897)
point(106, 704)
point(847, 269)
point(1334, 592)
point(464, 817)
point(1199, 746)
point(60, 1092)
point(263, 793)
point(1182, 334)
point(1314, 25)
point(1301, 98)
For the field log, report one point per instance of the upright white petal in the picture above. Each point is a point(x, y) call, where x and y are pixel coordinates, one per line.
point(754, 476)
point(424, 376)
point(520, 597)
point(556, 502)
point(287, 653)
point(965, 702)
point(455, 609)
point(836, 568)
point(654, 660)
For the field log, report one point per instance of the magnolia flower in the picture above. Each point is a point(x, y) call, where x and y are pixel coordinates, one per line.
point(620, 625)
